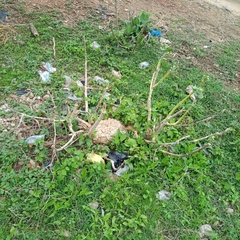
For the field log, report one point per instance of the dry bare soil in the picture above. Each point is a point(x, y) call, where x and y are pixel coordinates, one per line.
point(219, 19)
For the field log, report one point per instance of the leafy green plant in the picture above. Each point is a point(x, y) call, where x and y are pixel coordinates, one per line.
point(134, 32)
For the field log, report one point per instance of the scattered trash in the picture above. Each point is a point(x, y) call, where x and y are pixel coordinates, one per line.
point(72, 96)
point(164, 40)
point(197, 92)
point(21, 91)
point(48, 67)
point(93, 205)
point(107, 96)
point(33, 30)
point(45, 76)
point(95, 158)
point(117, 159)
point(69, 81)
point(156, 33)
point(205, 47)
point(205, 230)
point(230, 210)
point(122, 170)
point(95, 45)
point(163, 195)
point(101, 81)
point(189, 90)
point(116, 73)
point(5, 107)
point(3, 16)
point(106, 130)
point(143, 65)
point(32, 164)
point(48, 165)
point(34, 139)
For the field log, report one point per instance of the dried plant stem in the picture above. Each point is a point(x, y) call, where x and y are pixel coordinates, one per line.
point(119, 43)
point(86, 79)
point(153, 84)
point(174, 143)
point(33, 30)
point(164, 122)
point(186, 154)
point(116, 11)
point(54, 50)
point(70, 141)
point(40, 118)
point(211, 135)
point(192, 124)
point(94, 126)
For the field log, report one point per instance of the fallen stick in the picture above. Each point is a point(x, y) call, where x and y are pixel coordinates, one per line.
point(54, 45)
point(86, 80)
point(33, 30)
point(186, 154)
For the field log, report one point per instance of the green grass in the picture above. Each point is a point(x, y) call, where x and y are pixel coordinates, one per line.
point(40, 204)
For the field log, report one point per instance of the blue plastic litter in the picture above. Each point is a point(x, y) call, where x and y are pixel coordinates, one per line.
point(156, 33)
point(3, 16)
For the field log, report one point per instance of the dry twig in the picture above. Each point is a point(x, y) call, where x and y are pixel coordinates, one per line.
point(192, 124)
point(186, 154)
point(54, 45)
point(153, 84)
point(86, 79)
point(94, 126)
point(33, 30)
point(211, 135)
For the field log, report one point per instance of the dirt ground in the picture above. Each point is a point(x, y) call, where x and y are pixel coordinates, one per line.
point(219, 19)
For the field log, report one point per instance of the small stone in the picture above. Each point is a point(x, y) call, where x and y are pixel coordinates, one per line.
point(205, 230)
point(93, 205)
point(66, 233)
point(45, 97)
point(230, 210)
point(116, 73)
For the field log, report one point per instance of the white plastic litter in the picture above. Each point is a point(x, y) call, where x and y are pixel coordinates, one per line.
point(122, 170)
point(35, 138)
point(164, 40)
point(101, 81)
point(163, 195)
point(45, 76)
point(143, 65)
point(107, 96)
point(197, 92)
point(49, 67)
point(95, 45)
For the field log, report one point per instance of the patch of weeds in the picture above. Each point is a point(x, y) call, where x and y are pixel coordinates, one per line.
point(227, 60)
point(134, 33)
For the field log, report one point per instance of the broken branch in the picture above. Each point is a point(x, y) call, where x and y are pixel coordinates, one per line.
point(86, 80)
point(211, 135)
point(186, 154)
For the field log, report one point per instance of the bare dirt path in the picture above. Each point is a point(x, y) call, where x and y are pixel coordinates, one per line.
point(229, 5)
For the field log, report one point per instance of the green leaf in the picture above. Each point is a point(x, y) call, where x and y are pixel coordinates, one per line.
point(238, 176)
point(131, 142)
